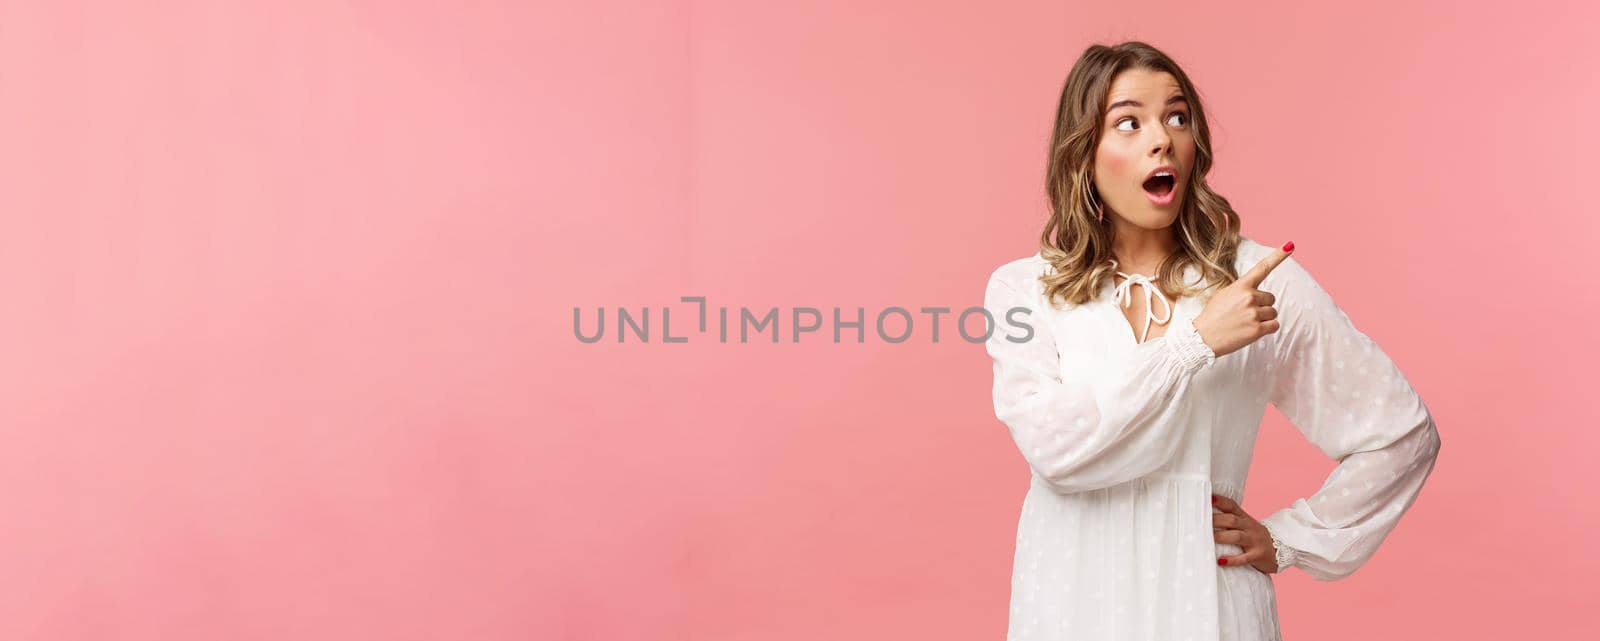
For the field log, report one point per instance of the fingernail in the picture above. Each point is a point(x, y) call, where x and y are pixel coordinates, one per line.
point(1222, 561)
point(1213, 499)
point(1289, 246)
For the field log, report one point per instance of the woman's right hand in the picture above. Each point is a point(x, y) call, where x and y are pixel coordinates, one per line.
point(1239, 314)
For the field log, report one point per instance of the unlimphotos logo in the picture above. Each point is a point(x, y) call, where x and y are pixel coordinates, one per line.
point(892, 324)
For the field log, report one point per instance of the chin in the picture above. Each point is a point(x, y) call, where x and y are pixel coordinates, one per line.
point(1154, 219)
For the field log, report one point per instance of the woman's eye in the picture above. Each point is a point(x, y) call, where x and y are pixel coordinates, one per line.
point(1127, 121)
point(1184, 116)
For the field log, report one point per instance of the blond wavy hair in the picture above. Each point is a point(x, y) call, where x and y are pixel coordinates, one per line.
point(1075, 242)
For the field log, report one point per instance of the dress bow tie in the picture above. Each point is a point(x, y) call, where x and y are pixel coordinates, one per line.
point(1124, 294)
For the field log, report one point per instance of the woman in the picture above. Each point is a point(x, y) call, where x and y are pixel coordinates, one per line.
point(1137, 412)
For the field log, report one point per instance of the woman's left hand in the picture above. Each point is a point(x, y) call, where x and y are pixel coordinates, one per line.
point(1234, 525)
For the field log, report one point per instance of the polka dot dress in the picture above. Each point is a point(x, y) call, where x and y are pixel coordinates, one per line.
point(1126, 439)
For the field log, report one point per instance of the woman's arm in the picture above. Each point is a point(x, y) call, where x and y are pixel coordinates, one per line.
point(1347, 397)
point(1078, 436)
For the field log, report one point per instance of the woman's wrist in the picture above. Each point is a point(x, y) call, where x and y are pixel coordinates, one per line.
point(1284, 555)
point(1193, 352)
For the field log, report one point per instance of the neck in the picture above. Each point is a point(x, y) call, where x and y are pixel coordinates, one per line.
point(1139, 250)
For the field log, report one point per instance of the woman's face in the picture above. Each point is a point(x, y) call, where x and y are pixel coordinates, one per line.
point(1146, 128)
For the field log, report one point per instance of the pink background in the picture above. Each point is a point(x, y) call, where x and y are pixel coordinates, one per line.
point(289, 289)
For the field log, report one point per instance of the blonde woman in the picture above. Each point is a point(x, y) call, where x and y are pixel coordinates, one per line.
point(1134, 357)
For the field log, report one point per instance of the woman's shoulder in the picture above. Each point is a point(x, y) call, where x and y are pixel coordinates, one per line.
point(1248, 254)
point(1022, 273)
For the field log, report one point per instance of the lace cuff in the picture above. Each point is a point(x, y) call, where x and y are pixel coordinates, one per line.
point(1193, 353)
point(1284, 554)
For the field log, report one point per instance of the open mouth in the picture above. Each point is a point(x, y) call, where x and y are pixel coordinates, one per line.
point(1160, 185)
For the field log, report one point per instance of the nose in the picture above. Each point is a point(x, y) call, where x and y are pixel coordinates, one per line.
point(1162, 144)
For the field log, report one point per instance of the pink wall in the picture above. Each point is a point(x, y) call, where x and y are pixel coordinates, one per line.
point(289, 291)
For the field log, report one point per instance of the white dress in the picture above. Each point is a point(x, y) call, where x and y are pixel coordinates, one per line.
point(1126, 442)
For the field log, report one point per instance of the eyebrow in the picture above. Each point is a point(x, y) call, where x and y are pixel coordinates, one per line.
point(1134, 103)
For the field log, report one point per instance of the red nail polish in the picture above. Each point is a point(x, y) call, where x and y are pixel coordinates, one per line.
point(1289, 246)
point(1213, 499)
point(1222, 561)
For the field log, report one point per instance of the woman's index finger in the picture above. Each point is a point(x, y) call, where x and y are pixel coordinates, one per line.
point(1228, 505)
point(1261, 269)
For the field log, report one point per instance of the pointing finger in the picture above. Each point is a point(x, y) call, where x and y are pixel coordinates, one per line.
point(1259, 273)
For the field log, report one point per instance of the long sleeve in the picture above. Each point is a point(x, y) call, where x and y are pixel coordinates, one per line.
point(1345, 395)
point(1080, 436)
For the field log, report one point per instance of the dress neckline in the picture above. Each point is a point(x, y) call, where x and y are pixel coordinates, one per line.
point(1122, 296)
point(1183, 307)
